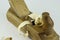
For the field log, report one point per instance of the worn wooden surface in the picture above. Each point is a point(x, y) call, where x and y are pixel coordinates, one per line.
point(16, 21)
point(13, 18)
point(18, 12)
point(19, 7)
point(34, 31)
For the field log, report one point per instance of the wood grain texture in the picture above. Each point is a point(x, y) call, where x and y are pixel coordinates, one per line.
point(18, 12)
point(16, 21)
point(34, 31)
point(19, 7)
point(13, 18)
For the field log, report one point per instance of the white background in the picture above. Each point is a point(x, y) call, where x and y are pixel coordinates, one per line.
point(36, 6)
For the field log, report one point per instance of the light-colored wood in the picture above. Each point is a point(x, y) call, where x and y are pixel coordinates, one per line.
point(13, 18)
point(8, 39)
point(19, 7)
point(34, 31)
point(16, 21)
point(18, 12)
